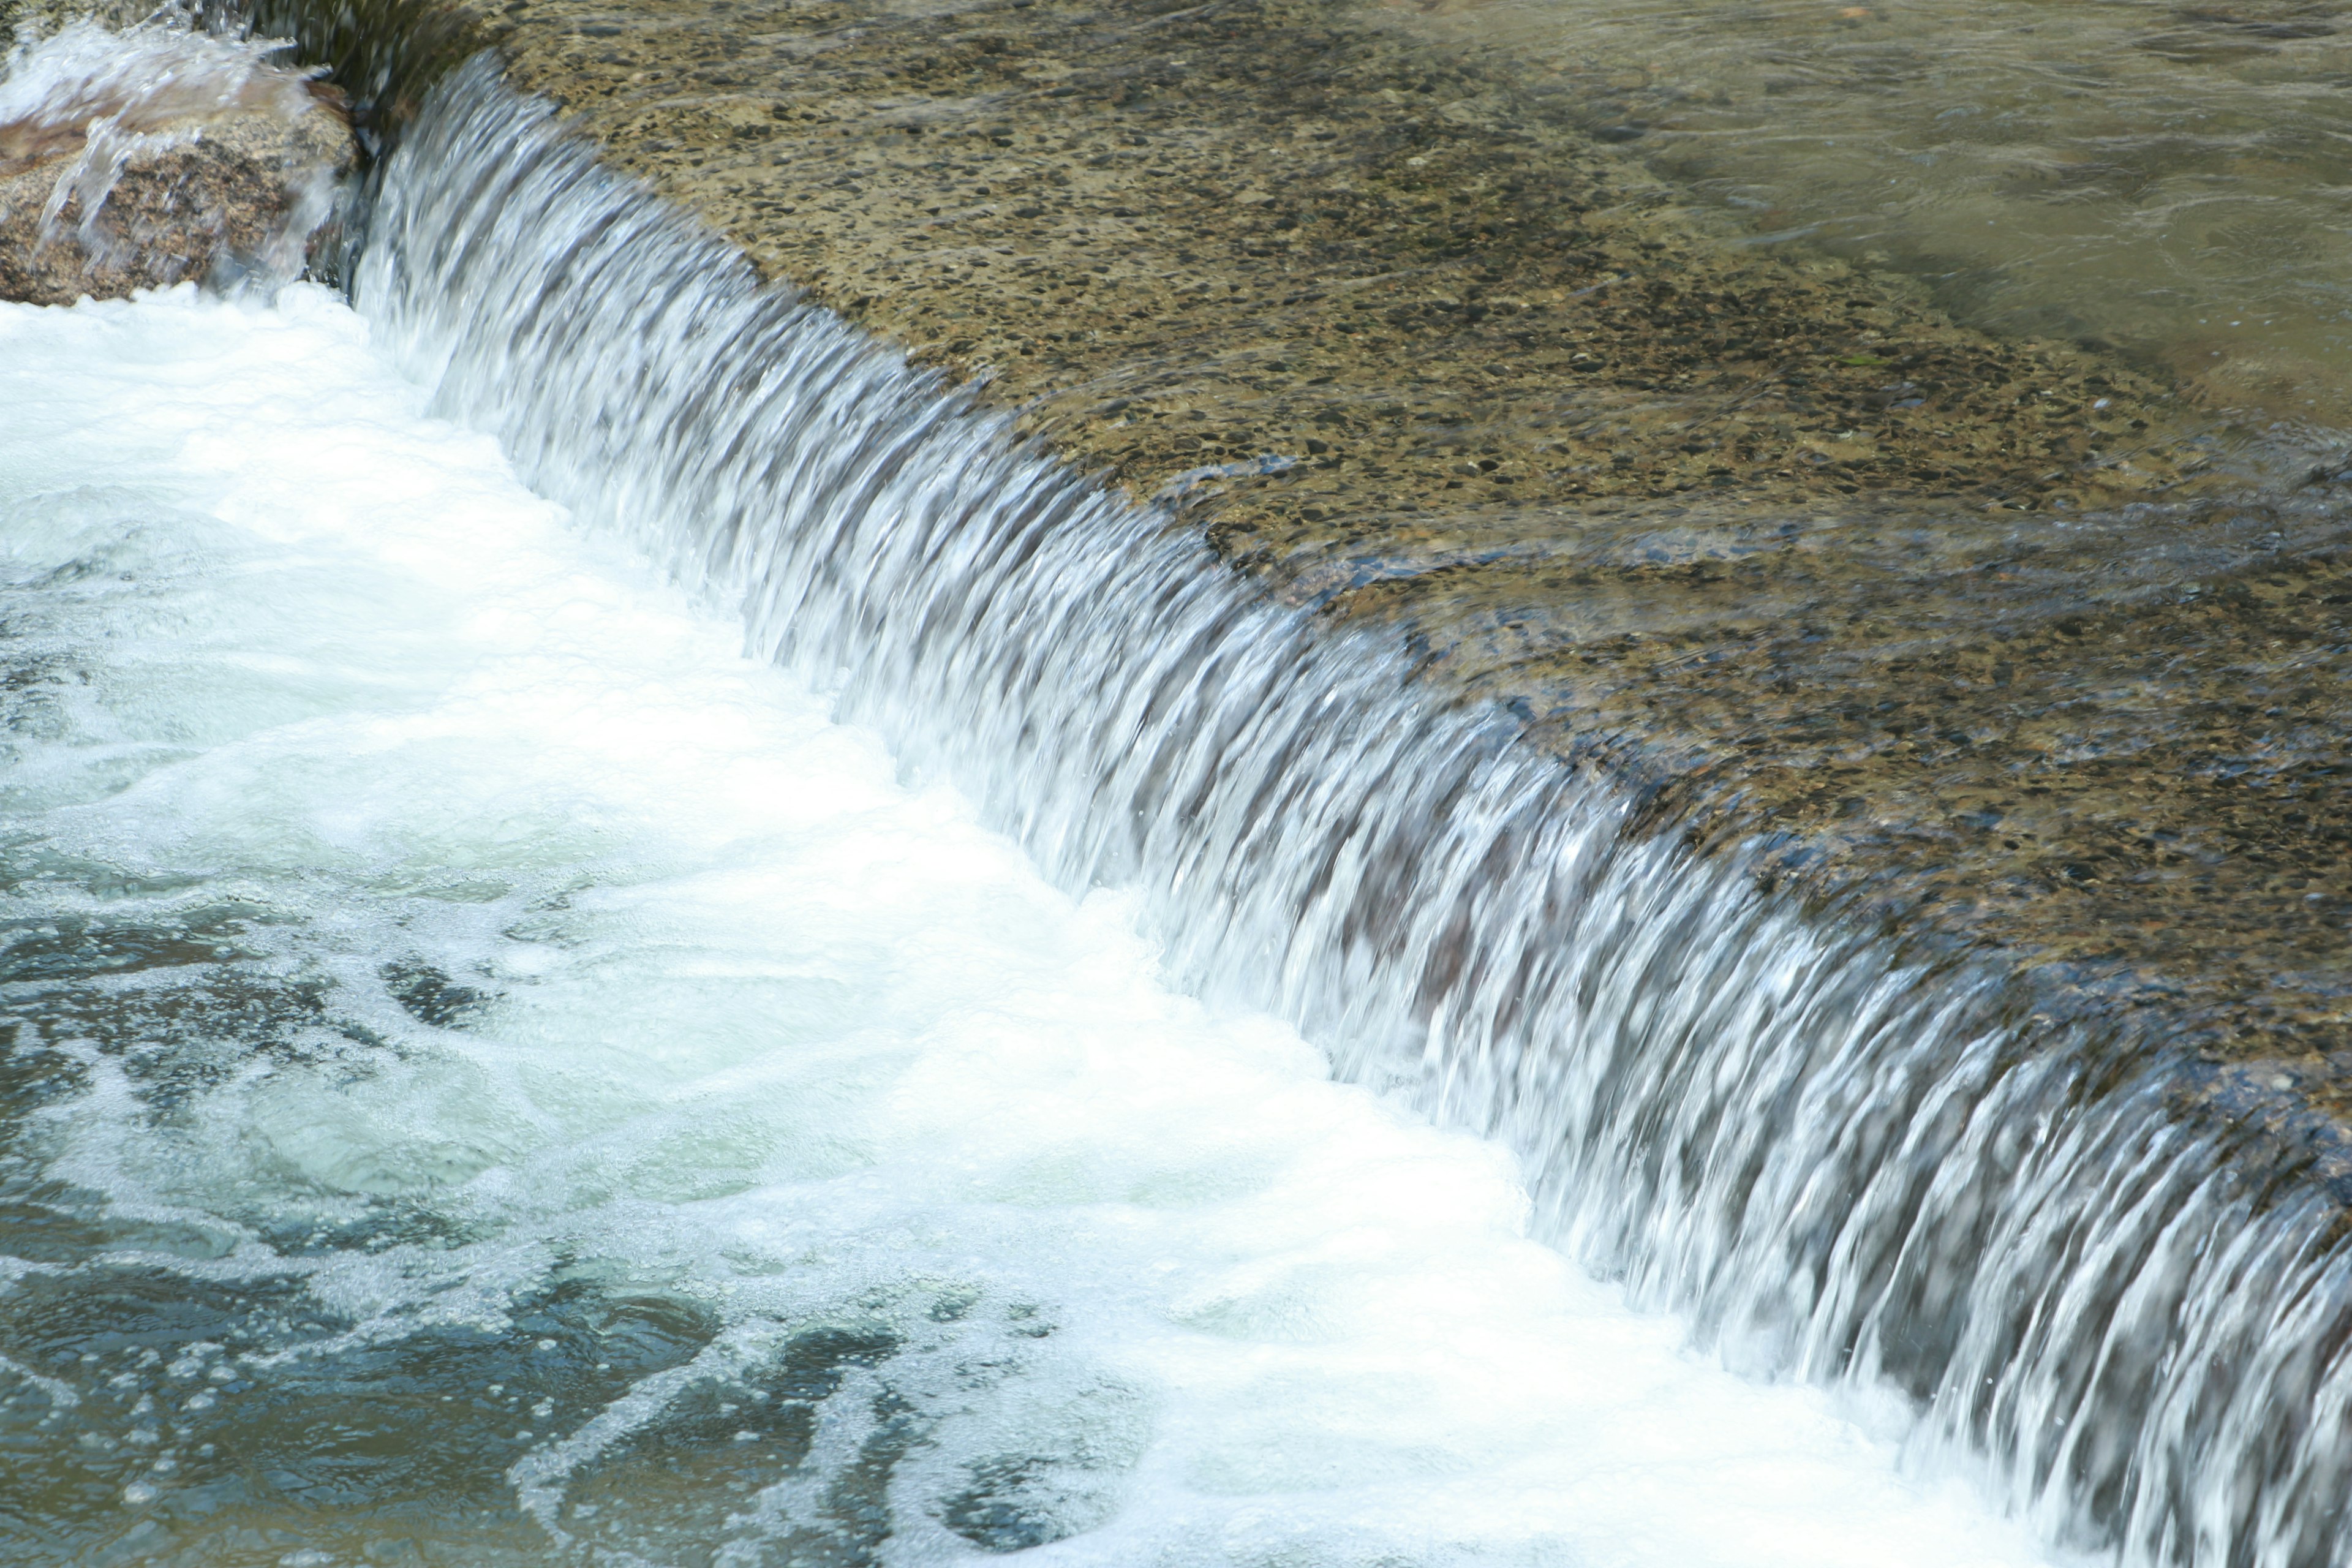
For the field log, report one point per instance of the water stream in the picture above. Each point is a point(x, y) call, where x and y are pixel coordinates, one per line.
point(498, 1072)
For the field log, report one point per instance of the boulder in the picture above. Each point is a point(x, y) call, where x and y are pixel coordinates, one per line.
point(135, 160)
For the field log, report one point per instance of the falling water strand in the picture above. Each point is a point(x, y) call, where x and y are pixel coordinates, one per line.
point(1843, 1168)
point(117, 96)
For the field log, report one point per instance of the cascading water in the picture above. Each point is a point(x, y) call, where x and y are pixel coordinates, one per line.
point(1844, 1168)
point(495, 1074)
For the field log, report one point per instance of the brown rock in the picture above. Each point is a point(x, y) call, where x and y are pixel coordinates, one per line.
point(135, 161)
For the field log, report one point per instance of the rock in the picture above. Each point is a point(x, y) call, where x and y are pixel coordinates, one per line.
point(135, 160)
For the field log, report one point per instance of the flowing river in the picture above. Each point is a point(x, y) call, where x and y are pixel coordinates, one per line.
point(633, 938)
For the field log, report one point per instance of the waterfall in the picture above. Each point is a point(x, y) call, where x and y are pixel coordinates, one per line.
point(1845, 1165)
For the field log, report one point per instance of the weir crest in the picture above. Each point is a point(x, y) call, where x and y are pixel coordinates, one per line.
point(1845, 1167)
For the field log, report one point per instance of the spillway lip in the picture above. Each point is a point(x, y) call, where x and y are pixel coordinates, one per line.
point(2147, 909)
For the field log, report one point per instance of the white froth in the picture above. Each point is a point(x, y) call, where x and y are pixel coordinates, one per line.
point(772, 1024)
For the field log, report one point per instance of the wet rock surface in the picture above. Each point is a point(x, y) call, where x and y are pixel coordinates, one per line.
point(2148, 175)
point(2010, 642)
point(112, 181)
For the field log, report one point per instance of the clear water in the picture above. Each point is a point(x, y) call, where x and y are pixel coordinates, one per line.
point(2168, 179)
point(494, 1069)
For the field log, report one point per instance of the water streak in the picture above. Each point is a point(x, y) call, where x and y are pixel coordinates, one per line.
point(1844, 1167)
point(115, 98)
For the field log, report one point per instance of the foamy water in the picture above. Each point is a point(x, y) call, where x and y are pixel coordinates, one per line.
point(496, 1069)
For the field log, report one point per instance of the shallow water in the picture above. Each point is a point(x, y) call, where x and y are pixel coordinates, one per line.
point(492, 1068)
point(2170, 179)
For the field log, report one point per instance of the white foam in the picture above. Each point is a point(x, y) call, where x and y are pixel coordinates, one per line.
point(777, 1029)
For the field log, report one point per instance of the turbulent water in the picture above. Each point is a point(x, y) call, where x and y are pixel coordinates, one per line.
point(497, 1072)
point(495, 1068)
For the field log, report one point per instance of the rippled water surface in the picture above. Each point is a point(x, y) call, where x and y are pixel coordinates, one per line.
point(2176, 180)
